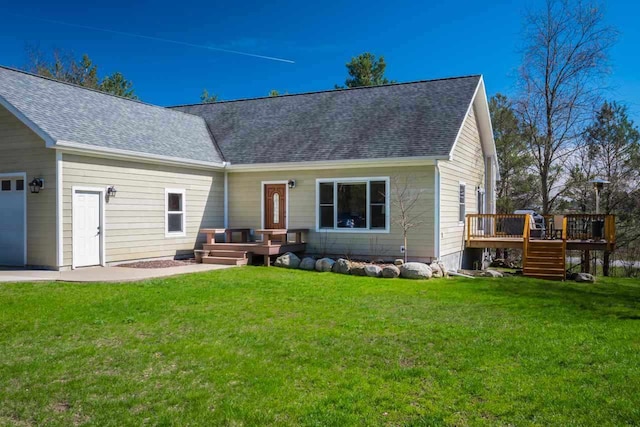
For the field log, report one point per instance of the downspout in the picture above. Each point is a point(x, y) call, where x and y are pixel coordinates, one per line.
point(226, 199)
point(59, 211)
point(436, 222)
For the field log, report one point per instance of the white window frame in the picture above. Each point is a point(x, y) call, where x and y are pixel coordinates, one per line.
point(348, 180)
point(462, 184)
point(182, 192)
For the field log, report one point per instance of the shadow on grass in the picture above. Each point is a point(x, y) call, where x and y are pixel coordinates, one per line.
point(608, 298)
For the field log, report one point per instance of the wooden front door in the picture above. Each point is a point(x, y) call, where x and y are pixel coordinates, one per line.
point(275, 206)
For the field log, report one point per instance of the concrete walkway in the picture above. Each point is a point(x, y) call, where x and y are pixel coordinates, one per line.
point(103, 274)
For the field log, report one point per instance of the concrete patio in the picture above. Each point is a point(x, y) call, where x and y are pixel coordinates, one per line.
point(103, 274)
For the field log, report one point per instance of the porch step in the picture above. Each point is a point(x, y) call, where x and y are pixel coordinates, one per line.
point(224, 260)
point(228, 253)
point(545, 260)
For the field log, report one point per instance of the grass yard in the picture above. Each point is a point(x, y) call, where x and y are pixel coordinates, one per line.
point(256, 346)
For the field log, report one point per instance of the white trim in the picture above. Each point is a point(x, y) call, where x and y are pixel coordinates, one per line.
point(466, 116)
point(436, 217)
point(183, 192)
point(30, 124)
point(226, 200)
point(116, 153)
point(59, 210)
point(461, 183)
point(335, 164)
point(22, 175)
point(103, 229)
point(366, 180)
point(286, 213)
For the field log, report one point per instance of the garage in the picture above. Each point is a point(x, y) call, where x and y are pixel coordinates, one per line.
point(13, 210)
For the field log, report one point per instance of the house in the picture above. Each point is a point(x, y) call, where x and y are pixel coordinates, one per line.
point(89, 178)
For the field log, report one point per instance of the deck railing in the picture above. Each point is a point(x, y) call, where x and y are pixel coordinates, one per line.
point(495, 225)
point(591, 227)
point(575, 227)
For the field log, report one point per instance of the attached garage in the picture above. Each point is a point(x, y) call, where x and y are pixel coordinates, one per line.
point(13, 224)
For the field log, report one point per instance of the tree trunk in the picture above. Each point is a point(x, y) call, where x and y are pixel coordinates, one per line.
point(606, 261)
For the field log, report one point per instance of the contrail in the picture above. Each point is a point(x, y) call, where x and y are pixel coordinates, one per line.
point(160, 39)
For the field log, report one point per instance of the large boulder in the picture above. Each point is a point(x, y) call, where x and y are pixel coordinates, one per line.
point(324, 264)
point(436, 270)
point(398, 262)
point(390, 272)
point(357, 269)
point(287, 260)
point(342, 266)
point(373, 270)
point(415, 270)
point(492, 273)
point(308, 264)
point(585, 278)
point(443, 268)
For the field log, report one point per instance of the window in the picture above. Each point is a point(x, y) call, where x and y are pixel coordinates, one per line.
point(463, 188)
point(6, 185)
point(353, 204)
point(480, 208)
point(175, 212)
point(20, 185)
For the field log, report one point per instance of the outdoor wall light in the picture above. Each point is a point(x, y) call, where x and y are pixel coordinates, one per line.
point(111, 191)
point(292, 183)
point(36, 185)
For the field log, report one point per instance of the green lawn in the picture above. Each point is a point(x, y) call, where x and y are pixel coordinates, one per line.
point(256, 346)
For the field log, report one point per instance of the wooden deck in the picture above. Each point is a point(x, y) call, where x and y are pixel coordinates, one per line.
point(274, 242)
point(543, 245)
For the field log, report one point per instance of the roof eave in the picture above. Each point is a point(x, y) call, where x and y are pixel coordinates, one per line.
point(333, 164)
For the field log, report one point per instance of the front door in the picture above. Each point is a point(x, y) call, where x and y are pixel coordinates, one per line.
point(275, 206)
point(12, 220)
point(86, 228)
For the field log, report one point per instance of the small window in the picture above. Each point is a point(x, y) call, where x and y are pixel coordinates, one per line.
point(20, 185)
point(463, 209)
point(326, 205)
point(6, 185)
point(175, 212)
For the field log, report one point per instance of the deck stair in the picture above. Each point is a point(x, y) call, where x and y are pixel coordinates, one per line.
point(226, 257)
point(545, 259)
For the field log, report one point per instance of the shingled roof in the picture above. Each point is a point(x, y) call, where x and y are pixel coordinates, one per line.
point(419, 119)
point(70, 113)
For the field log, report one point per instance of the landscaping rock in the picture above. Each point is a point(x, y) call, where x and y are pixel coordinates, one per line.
point(492, 273)
point(415, 270)
point(358, 270)
point(373, 270)
point(585, 278)
point(390, 272)
point(443, 268)
point(287, 260)
point(308, 264)
point(342, 266)
point(435, 269)
point(324, 264)
point(398, 262)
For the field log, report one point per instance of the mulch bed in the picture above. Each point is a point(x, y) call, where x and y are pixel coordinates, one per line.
point(158, 264)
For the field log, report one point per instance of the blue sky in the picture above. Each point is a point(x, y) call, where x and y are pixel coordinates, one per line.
point(419, 40)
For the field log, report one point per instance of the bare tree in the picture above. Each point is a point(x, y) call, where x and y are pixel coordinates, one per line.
point(565, 57)
point(405, 198)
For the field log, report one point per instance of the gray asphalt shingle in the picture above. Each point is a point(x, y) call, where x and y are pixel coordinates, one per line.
point(398, 120)
point(71, 113)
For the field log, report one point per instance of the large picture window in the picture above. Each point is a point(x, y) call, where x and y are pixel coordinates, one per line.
point(175, 212)
point(353, 204)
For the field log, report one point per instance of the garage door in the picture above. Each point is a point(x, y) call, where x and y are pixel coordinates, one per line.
point(12, 220)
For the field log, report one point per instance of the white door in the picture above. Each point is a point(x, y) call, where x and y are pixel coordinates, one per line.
point(86, 228)
point(12, 221)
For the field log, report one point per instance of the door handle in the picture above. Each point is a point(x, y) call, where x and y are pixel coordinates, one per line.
point(98, 230)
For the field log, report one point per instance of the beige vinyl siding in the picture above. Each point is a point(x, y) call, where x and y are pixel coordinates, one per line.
point(135, 217)
point(245, 211)
point(468, 166)
point(21, 150)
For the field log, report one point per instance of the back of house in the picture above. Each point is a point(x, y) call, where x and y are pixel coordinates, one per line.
point(121, 180)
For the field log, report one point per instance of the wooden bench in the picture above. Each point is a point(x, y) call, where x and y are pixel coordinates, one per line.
point(281, 234)
point(228, 234)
